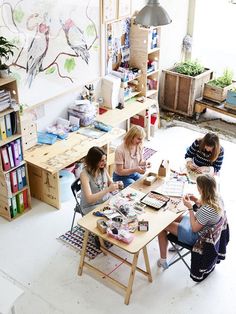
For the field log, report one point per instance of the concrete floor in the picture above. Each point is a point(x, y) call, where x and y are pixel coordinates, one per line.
point(33, 259)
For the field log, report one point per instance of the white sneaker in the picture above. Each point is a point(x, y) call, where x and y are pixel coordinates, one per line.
point(164, 264)
point(177, 248)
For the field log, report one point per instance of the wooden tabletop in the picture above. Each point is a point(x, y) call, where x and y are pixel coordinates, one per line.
point(158, 220)
point(65, 152)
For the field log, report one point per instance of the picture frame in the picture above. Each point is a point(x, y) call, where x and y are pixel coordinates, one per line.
point(124, 8)
point(109, 10)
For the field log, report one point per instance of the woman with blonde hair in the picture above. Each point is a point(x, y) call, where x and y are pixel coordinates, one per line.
point(209, 210)
point(129, 162)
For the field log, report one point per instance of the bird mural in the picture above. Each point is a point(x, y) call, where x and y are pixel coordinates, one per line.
point(75, 39)
point(37, 50)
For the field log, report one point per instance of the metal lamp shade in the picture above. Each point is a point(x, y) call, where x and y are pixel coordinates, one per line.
point(153, 15)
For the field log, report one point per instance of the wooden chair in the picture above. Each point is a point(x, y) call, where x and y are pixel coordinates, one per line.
point(76, 190)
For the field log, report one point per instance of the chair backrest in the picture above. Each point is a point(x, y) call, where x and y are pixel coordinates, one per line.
point(76, 190)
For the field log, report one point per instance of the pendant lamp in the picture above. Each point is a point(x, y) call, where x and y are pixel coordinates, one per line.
point(153, 14)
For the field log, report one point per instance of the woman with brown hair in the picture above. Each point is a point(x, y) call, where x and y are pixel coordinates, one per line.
point(205, 152)
point(189, 227)
point(96, 184)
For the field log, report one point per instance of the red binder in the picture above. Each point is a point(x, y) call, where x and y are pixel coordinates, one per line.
point(25, 199)
point(5, 159)
point(14, 184)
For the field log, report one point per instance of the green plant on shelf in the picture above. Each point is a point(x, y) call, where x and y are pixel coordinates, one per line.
point(6, 50)
point(190, 67)
point(222, 81)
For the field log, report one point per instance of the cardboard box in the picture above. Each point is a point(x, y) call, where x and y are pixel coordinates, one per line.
point(150, 178)
point(164, 168)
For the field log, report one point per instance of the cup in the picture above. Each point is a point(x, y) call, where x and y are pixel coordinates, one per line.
point(120, 185)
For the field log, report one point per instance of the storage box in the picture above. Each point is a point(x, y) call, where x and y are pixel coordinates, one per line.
point(217, 94)
point(150, 178)
point(179, 91)
point(231, 100)
point(164, 168)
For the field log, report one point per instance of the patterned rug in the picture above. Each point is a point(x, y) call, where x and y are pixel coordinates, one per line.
point(74, 240)
point(148, 152)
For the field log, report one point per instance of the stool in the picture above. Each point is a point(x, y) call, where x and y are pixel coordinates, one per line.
point(8, 296)
point(66, 179)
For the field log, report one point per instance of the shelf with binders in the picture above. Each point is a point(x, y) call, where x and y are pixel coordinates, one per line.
point(10, 128)
point(15, 196)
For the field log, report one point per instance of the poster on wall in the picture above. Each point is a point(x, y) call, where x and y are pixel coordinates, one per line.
point(109, 10)
point(124, 8)
point(58, 46)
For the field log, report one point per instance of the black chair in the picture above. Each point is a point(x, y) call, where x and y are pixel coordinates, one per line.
point(179, 256)
point(76, 190)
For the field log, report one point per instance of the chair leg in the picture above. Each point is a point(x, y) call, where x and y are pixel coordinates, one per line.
point(181, 257)
point(72, 222)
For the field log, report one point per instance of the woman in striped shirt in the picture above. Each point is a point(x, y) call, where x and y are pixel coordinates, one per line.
point(205, 155)
point(189, 227)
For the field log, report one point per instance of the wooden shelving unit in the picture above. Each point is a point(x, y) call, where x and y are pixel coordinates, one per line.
point(15, 197)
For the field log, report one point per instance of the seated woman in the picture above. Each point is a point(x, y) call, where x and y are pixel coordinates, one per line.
point(129, 163)
point(189, 227)
point(96, 183)
point(205, 155)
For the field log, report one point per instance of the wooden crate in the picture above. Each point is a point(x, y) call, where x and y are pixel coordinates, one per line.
point(217, 94)
point(179, 91)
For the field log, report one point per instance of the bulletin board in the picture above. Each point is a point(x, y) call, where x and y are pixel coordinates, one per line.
point(117, 44)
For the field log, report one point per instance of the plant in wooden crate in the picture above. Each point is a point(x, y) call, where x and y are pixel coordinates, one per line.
point(6, 50)
point(231, 99)
point(182, 84)
point(216, 89)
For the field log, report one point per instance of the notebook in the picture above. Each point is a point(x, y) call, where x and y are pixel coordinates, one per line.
point(155, 199)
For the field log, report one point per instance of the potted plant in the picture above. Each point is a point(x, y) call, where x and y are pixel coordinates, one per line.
point(216, 89)
point(6, 50)
point(182, 84)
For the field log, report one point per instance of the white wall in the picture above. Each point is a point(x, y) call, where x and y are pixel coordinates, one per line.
point(214, 41)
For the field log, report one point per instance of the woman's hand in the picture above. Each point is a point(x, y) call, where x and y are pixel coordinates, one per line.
point(141, 169)
point(187, 202)
point(192, 198)
point(191, 166)
point(113, 187)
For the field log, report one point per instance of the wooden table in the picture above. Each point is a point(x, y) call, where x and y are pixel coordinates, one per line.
point(202, 104)
point(45, 161)
point(158, 220)
point(116, 116)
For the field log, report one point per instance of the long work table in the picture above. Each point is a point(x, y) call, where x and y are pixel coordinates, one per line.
point(45, 161)
point(158, 220)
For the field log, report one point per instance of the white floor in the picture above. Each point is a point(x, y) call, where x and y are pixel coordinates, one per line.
point(33, 259)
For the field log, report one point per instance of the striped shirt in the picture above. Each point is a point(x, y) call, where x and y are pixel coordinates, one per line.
point(202, 158)
point(207, 216)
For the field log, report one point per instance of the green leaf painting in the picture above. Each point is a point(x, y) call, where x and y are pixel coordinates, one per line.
point(18, 15)
point(51, 70)
point(90, 31)
point(69, 64)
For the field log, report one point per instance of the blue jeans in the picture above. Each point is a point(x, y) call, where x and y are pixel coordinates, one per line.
point(127, 180)
point(185, 233)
